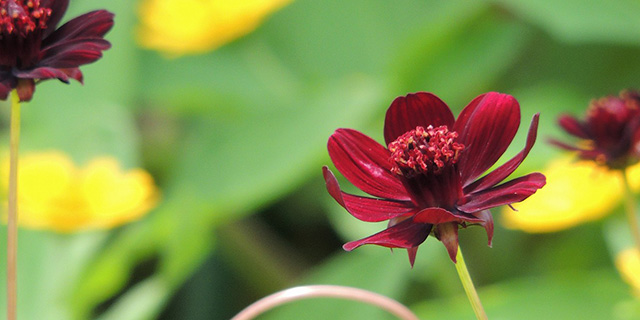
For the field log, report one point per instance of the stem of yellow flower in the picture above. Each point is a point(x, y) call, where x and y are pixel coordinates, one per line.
point(330, 291)
point(472, 295)
point(12, 221)
point(630, 208)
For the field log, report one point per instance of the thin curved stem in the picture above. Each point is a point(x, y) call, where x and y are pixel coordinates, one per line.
point(12, 221)
point(469, 289)
point(329, 291)
point(630, 208)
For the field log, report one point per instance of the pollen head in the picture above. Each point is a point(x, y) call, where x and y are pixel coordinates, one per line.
point(615, 109)
point(424, 150)
point(22, 17)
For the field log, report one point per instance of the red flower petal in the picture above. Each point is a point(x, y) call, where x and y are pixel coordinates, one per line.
point(365, 163)
point(515, 190)
point(565, 146)
point(94, 24)
point(415, 109)
point(405, 234)
point(448, 234)
point(43, 73)
point(412, 255)
point(573, 126)
point(363, 208)
point(487, 223)
point(486, 127)
point(73, 53)
point(439, 215)
point(58, 8)
point(494, 177)
point(73, 73)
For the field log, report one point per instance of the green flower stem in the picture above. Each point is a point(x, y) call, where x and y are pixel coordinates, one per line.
point(472, 295)
point(630, 208)
point(12, 221)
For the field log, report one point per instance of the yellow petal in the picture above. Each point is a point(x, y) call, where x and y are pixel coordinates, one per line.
point(628, 264)
point(178, 27)
point(576, 192)
point(55, 194)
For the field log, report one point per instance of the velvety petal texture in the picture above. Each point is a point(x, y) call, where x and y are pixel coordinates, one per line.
point(43, 52)
point(486, 127)
point(426, 180)
point(406, 234)
point(365, 163)
point(412, 110)
point(363, 208)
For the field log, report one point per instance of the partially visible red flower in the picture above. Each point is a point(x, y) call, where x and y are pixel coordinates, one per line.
point(610, 131)
point(32, 49)
point(425, 182)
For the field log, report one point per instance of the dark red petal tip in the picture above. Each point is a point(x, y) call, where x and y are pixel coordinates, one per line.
point(405, 234)
point(94, 24)
point(486, 127)
point(510, 192)
point(496, 176)
point(412, 252)
point(415, 109)
point(363, 208)
point(487, 224)
point(571, 125)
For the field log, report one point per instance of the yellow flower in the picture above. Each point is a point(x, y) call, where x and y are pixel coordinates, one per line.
point(178, 27)
point(55, 194)
point(628, 264)
point(576, 192)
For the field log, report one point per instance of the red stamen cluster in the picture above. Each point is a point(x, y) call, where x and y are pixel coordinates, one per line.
point(424, 150)
point(619, 108)
point(22, 17)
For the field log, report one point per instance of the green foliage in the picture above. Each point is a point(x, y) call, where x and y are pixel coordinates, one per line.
point(239, 134)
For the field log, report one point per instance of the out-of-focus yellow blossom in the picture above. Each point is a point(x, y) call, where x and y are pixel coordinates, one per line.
point(178, 27)
point(628, 264)
point(577, 191)
point(55, 194)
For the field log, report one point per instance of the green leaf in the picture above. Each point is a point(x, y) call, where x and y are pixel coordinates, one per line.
point(460, 60)
point(583, 20)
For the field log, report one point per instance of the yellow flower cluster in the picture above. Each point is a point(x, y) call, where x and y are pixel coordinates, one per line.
point(55, 194)
point(628, 264)
point(577, 191)
point(178, 27)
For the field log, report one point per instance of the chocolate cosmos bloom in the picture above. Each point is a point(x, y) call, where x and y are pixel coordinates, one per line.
point(426, 180)
point(32, 49)
point(610, 131)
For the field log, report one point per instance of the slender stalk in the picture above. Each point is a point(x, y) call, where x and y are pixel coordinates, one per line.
point(630, 208)
point(12, 222)
point(472, 295)
point(330, 291)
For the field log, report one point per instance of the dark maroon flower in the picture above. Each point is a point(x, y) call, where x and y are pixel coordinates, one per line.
point(32, 49)
point(426, 180)
point(610, 131)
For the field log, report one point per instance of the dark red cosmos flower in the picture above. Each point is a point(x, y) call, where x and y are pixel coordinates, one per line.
point(31, 48)
point(426, 180)
point(610, 131)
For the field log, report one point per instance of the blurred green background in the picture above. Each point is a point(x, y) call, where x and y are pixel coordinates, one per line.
point(236, 139)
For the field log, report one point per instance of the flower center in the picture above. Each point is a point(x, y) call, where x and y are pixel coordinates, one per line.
point(424, 150)
point(22, 17)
